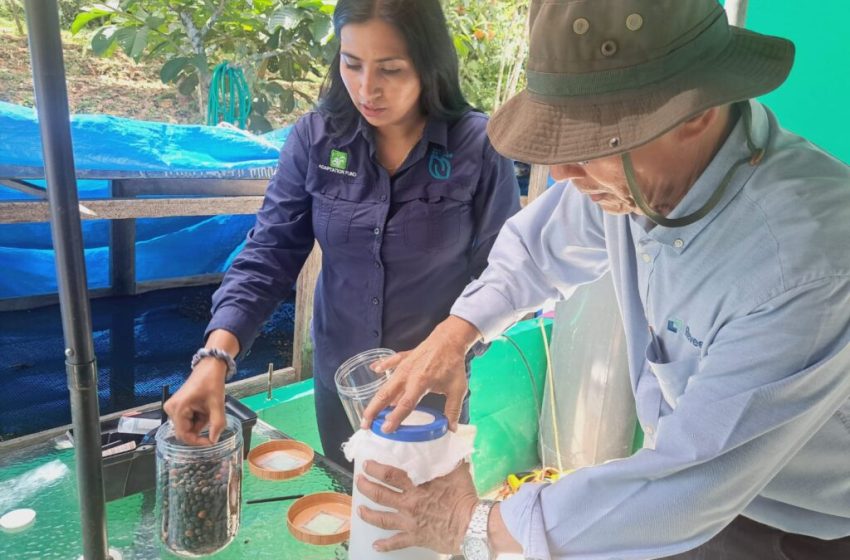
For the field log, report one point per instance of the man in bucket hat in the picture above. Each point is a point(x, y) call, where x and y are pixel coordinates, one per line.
point(727, 239)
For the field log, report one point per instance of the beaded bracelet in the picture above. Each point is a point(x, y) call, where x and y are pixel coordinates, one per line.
point(218, 354)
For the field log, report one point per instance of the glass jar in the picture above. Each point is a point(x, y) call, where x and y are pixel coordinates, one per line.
point(199, 491)
point(357, 383)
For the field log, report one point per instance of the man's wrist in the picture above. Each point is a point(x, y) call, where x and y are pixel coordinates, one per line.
point(500, 539)
point(459, 332)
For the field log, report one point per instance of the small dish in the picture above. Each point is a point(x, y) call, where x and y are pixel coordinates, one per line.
point(323, 518)
point(280, 459)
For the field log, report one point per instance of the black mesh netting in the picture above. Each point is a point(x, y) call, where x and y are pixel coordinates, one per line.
point(141, 342)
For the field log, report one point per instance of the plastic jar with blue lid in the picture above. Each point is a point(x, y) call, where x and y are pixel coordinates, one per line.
point(423, 424)
point(413, 447)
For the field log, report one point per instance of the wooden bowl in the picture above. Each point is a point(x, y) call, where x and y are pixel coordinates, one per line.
point(304, 510)
point(259, 456)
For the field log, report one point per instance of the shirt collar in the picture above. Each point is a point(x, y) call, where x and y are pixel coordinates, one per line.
point(733, 150)
point(436, 132)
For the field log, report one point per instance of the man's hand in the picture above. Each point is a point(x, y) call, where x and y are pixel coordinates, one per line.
point(435, 366)
point(433, 515)
point(198, 403)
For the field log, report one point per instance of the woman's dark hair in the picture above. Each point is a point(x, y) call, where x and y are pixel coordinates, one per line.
point(423, 26)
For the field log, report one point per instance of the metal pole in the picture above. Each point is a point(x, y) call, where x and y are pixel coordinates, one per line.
point(48, 70)
point(736, 11)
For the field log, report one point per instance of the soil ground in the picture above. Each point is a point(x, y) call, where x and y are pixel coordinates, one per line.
point(114, 86)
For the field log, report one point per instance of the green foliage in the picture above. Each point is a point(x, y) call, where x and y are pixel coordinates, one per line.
point(280, 44)
point(69, 10)
point(490, 37)
point(284, 46)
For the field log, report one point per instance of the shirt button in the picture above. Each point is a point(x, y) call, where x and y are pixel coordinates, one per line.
point(375, 301)
point(646, 258)
point(375, 334)
point(383, 197)
point(377, 264)
point(649, 430)
point(679, 243)
point(377, 231)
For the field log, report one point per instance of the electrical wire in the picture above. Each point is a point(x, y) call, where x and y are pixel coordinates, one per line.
point(529, 370)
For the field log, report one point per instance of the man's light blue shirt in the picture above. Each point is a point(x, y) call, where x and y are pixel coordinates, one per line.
point(746, 304)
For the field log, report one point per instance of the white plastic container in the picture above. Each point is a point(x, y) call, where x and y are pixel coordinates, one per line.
point(595, 418)
point(424, 448)
point(356, 382)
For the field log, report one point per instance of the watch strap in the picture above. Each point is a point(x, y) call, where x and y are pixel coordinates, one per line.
point(475, 543)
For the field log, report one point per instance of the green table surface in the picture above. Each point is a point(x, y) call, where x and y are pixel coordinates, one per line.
point(42, 477)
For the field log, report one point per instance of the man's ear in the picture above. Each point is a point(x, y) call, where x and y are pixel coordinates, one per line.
point(697, 125)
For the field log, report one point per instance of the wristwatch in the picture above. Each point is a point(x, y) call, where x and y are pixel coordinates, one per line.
point(475, 543)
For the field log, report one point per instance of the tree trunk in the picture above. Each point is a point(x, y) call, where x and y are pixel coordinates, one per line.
point(203, 92)
point(15, 9)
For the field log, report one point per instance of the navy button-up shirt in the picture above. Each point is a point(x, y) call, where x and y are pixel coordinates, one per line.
point(396, 251)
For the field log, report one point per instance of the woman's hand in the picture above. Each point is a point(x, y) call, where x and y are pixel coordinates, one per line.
point(198, 403)
point(438, 365)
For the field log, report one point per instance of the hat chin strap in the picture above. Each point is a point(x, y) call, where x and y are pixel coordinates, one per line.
point(755, 158)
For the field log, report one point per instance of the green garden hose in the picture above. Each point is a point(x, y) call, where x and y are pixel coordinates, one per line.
point(230, 96)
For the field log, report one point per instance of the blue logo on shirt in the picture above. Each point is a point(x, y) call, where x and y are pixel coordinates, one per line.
point(692, 339)
point(675, 326)
point(440, 164)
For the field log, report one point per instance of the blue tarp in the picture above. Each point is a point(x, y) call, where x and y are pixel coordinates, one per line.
point(113, 147)
point(109, 147)
point(142, 341)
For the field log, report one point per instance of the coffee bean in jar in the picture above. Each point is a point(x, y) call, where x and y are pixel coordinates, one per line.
point(199, 491)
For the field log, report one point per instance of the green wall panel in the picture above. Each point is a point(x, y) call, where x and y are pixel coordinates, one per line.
point(813, 102)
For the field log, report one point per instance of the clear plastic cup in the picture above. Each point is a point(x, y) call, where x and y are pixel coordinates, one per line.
point(357, 383)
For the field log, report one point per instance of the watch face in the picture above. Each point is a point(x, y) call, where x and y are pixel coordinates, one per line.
point(476, 549)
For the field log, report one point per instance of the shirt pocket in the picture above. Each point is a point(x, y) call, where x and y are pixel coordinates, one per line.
point(332, 219)
point(434, 216)
point(672, 376)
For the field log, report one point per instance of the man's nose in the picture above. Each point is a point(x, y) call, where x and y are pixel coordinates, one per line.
point(567, 171)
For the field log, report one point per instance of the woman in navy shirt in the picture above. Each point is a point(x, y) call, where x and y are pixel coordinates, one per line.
point(396, 179)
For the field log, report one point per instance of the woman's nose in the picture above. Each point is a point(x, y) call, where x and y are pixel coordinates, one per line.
point(369, 89)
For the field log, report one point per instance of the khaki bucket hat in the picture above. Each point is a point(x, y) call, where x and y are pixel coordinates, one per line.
point(607, 76)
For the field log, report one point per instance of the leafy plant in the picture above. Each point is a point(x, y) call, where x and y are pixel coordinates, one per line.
point(281, 45)
point(69, 10)
point(491, 40)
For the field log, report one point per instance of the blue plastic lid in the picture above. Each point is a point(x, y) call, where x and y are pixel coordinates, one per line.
point(423, 424)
